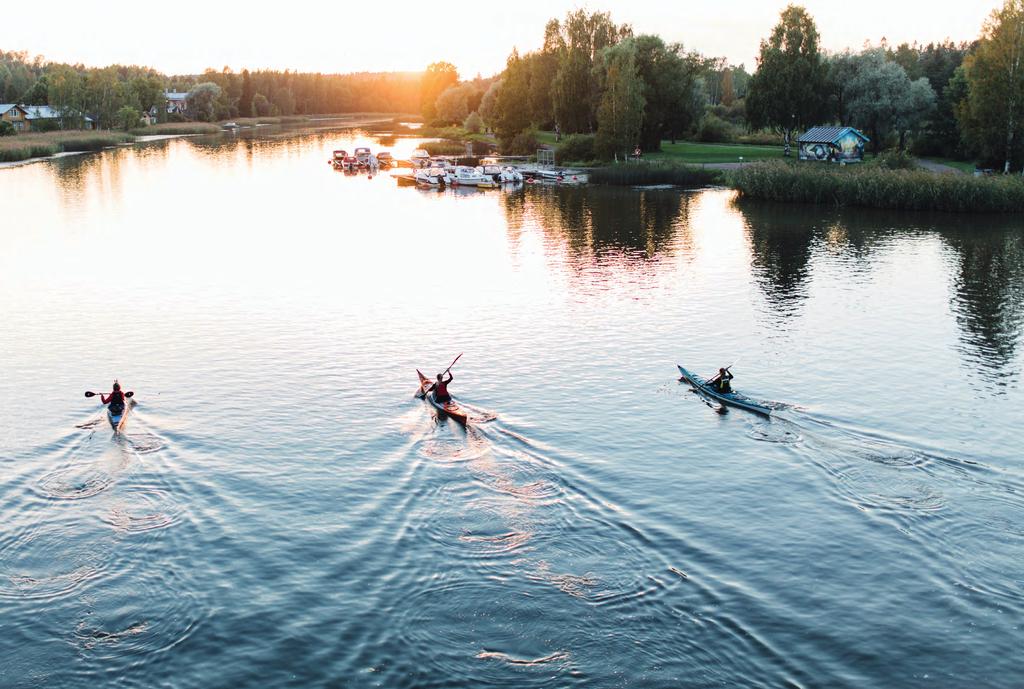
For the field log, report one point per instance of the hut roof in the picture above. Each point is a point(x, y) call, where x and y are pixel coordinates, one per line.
point(827, 135)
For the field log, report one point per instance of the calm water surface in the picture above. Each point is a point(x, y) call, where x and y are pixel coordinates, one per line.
point(282, 512)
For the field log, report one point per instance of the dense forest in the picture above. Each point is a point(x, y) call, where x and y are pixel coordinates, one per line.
point(120, 94)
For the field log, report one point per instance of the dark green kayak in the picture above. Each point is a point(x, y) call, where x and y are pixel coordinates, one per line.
point(733, 399)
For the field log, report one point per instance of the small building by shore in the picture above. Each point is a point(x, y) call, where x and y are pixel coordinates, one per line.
point(833, 144)
point(34, 118)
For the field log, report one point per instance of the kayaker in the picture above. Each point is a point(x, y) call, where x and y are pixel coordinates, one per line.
point(440, 388)
point(721, 381)
point(114, 399)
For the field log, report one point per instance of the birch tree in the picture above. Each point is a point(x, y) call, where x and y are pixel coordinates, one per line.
point(991, 118)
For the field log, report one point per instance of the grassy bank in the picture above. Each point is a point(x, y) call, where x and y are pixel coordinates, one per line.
point(692, 152)
point(25, 146)
point(696, 153)
point(875, 187)
point(168, 128)
point(637, 174)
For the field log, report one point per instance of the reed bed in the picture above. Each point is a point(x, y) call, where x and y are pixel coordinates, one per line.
point(876, 187)
point(25, 146)
point(444, 148)
point(639, 174)
point(166, 128)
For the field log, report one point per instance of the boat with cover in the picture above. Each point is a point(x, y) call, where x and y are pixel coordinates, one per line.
point(419, 158)
point(338, 159)
point(434, 176)
point(502, 174)
point(362, 155)
point(451, 407)
point(466, 176)
point(733, 399)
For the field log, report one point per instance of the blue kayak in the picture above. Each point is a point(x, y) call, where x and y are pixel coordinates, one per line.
point(733, 399)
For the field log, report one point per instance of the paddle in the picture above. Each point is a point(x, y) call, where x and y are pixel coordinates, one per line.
point(94, 394)
point(715, 377)
point(421, 393)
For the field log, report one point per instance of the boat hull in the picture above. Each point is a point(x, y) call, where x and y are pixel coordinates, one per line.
point(450, 408)
point(117, 421)
point(733, 399)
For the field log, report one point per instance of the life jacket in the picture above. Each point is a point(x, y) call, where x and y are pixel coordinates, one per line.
point(441, 391)
point(116, 399)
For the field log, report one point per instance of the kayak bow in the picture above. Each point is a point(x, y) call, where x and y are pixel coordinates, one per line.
point(733, 399)
point(451, 407)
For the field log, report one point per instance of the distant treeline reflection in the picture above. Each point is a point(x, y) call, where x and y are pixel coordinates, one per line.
point(617, 229)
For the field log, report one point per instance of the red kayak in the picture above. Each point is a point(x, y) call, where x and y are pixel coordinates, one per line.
point(451, 407)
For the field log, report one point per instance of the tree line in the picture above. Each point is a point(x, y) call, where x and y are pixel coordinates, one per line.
point(117, 95)
point(596, 78)
point(590, 76)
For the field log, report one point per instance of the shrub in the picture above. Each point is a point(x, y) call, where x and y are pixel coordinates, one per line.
point(576, 148)
point(763, 137)
point(879, 187)
point(523, 143)
point(483, 148)
point(47, 125)
point(474, 124)
point(714, 129)
point(895, 160)
point(7, 129)
point(633, 174)
point(128, 118)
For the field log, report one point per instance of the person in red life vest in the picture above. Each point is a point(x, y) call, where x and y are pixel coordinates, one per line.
point(114, 399)
point(440, 388)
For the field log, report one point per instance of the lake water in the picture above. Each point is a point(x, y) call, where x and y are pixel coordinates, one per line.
point(282, 512)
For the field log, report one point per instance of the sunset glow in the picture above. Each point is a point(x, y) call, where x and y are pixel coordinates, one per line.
point(350, 37)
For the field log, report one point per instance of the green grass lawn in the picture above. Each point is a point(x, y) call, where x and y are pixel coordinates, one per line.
point(961, 165)
point(697, 153)
point(546, 138)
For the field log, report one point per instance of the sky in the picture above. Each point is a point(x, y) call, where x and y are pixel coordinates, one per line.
point(188, 36)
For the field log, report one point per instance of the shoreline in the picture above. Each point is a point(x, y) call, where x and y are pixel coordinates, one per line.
point(213, 129)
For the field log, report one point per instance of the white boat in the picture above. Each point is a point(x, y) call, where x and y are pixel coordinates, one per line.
point(466, 176)
point(502, 174)
point(420, 158)
point(433, 176)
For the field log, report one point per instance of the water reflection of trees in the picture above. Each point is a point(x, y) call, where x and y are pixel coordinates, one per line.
point(988, 286)
point(602, 229)
point(781, 242)
point(987, 277)
point(784, 238)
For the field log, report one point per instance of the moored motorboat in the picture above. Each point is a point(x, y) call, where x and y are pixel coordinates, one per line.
point(467, 176)
point(451, 407)
point(362, 155)
point(419, 158)
point(502, 174)
point(338, 159)
point(733, 399)
point(434, 177)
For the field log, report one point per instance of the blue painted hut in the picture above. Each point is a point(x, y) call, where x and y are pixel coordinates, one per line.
point(837, 144)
